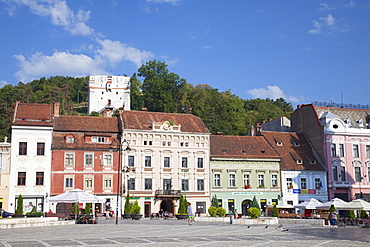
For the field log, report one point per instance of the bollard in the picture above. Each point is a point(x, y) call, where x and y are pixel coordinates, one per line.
point(231, 219)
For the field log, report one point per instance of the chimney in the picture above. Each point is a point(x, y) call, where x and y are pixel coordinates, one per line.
point(144, 109)
point(220, 133)
point(56, 107)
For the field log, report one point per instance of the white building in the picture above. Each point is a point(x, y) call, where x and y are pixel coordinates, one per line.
point(31, 155)
point(108, 92)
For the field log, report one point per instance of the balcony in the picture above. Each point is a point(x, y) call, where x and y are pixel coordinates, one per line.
point(342, 184)
point(174, 194)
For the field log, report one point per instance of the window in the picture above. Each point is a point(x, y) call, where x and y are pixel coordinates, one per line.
point(148, 184)
point(88, 182)
point(261, 180)
point(69, 159)
point(184, 162)
point(39, 178)
point(358, 174)
point(367, 151)
point(247, 181)
point(107, 182)
point(167, 185)
point(23, 148)
point(200, 184)
point(318, 184)
point(40, 148)
point(232, 180)
point(131, 184)
point(335, 173)
point(274, 180)
point(70, 139)
point(217, 180)
point(200, 163)
point(69, 182)
point(107, 160)
point(148, 161)
point(88, 159)
point(341, 150)
point(356, 153)
point(166, 162)
point(131, 161)
point(184, 184)
point(303, 183)
point(21, 179)
point(343, 173)
point(289, 183)
point(333, 150)
point(99, 139)
point(368, 174)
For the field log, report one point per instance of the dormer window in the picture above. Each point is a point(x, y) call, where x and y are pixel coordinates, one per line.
point(279, 143)
point(296, 144)
point(360, 123)
point(313, 162)
point(299, 162)
point(98, 139)
point(70, 139)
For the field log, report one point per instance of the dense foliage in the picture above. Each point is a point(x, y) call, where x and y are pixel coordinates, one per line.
point(183, 206)
point(156, 88)
point(19, 209)
point(128, 207)
point(254, 213)
point(135, 209)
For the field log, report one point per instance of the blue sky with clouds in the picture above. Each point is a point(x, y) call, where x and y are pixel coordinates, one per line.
point(302, 51)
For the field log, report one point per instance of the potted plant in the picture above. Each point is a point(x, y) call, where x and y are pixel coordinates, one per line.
point(182, 212)
point(19, 209)
point(275, 212)
point(135, 211)
point(247, 186)
point(127, 211)
point(261, 186)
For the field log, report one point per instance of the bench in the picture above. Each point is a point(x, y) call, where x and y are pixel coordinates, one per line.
point(59, 215)
point(100, 214)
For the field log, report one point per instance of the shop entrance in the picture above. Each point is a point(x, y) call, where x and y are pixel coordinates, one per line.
point(245, 206)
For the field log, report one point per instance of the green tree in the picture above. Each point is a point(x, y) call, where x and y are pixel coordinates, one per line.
point(254, 203)
point(135, 208)
point(88, 208)
point(162, 91)
point(136, 95)
point(351, 214)
point(19, 209)
point(254, 213)
point(183, 205)
point(127, 205)
point(212, 210)
point(214, 201)
point(275, 212)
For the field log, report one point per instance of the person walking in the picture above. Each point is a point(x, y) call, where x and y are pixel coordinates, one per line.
point(190, 214)
point(333, 218)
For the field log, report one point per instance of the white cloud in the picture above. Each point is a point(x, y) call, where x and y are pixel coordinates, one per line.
point(60, 15)
point(3, 83)
point(60, 63)
point(207, 47)
point(328, 24)
point(272, 92)
point(115, 52)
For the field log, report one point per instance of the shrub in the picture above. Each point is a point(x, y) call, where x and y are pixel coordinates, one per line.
point(135, 209)
point(183, 206)
point(212, 211)
point(351, 214)
point(221, 212)
point(275, 212)
point(127, 205)
point(88, 208)
point(19, 209)
point(254, 213)
point(214, 201)
point(364, 214)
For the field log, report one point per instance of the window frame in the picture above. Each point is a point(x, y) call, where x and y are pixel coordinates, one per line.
point(69, 159)
point(166, 162)
point(131, 161)
point(200, 184)
point(22, 148)
point(148, 161)
point(217, 180)
point(86, 159)
point(232, 180)
point(200, 162)
point(21, 178)
point(40, 149)
point(184, 162)
point(148, 184)
point(39, 179)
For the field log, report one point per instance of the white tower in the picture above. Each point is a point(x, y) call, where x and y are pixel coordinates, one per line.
point(108, 92)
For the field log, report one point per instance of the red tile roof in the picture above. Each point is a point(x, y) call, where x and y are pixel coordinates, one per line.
point(33, 114)
point(86, 124)
point(293, 147)
point(241, 147)
point(143, 120)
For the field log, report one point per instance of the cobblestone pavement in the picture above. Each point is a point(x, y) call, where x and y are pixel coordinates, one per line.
point(147, 232)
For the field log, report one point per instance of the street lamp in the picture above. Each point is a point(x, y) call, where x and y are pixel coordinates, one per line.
point(111, 149)
point(361, 196)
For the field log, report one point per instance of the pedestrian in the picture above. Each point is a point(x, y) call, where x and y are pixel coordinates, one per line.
point(333, 218)
point(190, 214)
point(236, 214)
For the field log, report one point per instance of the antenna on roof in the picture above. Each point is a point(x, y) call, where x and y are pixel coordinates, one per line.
point(341, 99)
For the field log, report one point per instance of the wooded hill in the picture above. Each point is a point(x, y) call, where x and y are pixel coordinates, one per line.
point(154, 88)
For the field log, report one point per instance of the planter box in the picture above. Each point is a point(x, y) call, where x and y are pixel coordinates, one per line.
point(136, 216)
point(181, 216)
point(125, 216)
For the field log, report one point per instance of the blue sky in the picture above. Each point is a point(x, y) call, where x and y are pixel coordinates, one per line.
point(302, 51)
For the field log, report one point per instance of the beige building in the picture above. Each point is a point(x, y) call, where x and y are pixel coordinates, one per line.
point(4, 174)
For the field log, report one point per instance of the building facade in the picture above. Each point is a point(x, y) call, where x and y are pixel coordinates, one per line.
point(303, 176)
point(345, 143)
point(108, 93)
point(30, 155)
point(244, 167)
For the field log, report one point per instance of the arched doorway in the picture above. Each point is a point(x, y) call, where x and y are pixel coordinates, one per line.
point(245, 206)
point(167, 205)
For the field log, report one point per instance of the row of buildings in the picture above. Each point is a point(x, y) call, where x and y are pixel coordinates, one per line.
point(321, 152)
point(324, 153)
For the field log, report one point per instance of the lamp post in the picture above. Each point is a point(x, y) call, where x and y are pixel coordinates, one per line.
point(361, 196)
point(119, 168)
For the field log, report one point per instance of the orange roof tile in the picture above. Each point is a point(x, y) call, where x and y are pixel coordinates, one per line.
point(33, 114)
point(86, 124)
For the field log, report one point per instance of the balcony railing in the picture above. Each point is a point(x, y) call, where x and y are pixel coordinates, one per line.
point(172, 193)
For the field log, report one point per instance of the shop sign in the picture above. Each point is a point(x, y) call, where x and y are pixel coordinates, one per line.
point(247, 193)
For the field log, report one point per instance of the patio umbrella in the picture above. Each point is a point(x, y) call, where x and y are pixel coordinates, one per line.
point(309, 204)
point(76, 196)
point(357, 204)
point(336, 202)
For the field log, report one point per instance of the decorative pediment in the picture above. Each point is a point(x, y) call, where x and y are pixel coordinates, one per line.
point(166, 126)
